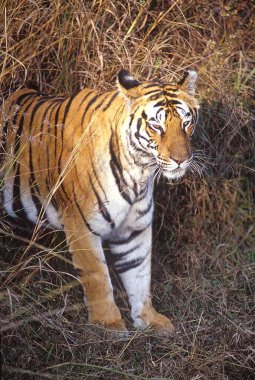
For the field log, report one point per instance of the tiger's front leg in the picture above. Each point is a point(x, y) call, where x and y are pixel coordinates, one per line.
point(89, 262)
point(133, 264)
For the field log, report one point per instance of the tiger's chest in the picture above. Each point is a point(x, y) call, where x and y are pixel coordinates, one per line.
point(119, 217)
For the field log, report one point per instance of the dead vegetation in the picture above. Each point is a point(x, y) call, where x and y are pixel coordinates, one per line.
point(204, 238)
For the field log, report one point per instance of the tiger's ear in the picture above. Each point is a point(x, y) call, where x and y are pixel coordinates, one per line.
point(127, 84)
point(188, 82)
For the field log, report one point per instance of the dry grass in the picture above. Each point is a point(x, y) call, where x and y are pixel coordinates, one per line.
point(204, 256)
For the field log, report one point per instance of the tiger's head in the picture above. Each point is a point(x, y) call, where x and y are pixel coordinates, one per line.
point(162, 119)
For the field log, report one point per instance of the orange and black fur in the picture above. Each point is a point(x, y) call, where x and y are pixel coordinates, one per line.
point(87, 165)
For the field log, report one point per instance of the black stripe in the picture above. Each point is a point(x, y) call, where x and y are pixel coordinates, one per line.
point(44, 118)
point(170, 94)
point(139, 124)
point(132, 236)
point(117, 171)
point(120, 183)
point(147, 209)
point(121, 268)
point(153, 92)
point(21, 123)
point(68, 105)
point(160, 103)
point(134, 145)
point(144, 115)
point(32, 183)
point(99, 105)
point(158, 111)
point(23, 95)
point(102, 209)
point(110, 101)
point(134, 188)
point(39, 103)
point(90, 103)
point(101, 187)
point(48, 132)
point(83, 217)
point(32, 179)
point(173, 102)
point(18, 207)
point(137, 134)
point(130, 158)
point(143, 192)
point(140, 137)
point(151, 85)
point(56, 118)
point(119, 256)
point(85, 97)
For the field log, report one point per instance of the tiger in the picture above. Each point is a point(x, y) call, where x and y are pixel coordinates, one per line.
point(87, 165)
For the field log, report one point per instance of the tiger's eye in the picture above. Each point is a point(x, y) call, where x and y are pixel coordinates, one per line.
point(156, 127)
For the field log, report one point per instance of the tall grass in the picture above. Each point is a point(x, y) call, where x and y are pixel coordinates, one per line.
point(204, 237)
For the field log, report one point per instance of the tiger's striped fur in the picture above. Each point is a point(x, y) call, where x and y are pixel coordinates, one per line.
point(86, 165)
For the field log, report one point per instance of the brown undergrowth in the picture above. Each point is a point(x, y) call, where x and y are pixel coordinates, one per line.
point(204, 237)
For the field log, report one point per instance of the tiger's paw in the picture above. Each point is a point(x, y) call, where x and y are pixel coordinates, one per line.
point(106, 315)
point(117, 326)
point(116, 329)
point(157, 322)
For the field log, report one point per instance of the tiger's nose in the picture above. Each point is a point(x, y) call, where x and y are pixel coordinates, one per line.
point(179, 160)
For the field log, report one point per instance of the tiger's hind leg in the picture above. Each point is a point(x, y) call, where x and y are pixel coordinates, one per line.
point(133, 264)
point(89, 262)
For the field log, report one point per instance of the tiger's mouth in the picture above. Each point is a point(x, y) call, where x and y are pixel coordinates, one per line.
point(172, 169)
point(176, 173)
